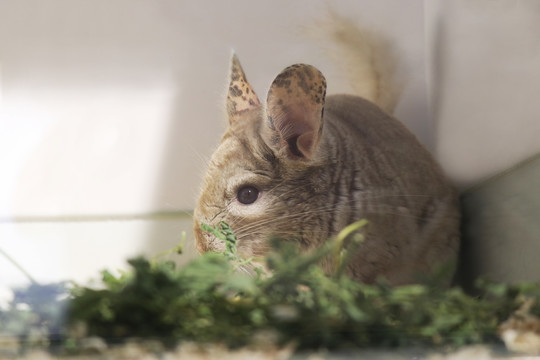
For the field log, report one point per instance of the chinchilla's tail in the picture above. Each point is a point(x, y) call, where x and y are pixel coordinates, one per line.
point(369, 59)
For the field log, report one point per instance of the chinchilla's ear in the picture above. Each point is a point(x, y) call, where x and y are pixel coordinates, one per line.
point(240, 97)
point(294, 112)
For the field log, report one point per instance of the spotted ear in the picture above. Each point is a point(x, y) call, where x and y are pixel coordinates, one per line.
point(294, 112)
point(241, 97)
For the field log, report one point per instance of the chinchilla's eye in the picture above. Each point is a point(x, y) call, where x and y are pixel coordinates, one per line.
point(247, 194)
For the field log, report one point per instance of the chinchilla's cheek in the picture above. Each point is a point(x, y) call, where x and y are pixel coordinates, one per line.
point(244, 247)
point(255, 245)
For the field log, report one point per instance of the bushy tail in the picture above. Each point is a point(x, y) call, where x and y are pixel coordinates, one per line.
point(369, 59)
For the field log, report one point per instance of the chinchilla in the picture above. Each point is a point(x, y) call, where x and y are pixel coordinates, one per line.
point(303, 165)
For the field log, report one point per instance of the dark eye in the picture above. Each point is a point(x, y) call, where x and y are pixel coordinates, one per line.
point(247, 194)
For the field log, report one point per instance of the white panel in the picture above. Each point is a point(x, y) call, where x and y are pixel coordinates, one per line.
point(486, 58)
point(79, 250)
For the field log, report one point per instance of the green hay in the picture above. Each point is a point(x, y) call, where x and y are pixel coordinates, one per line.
point(210, 301)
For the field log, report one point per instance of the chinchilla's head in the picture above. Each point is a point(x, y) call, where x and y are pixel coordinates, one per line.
point(260, 179)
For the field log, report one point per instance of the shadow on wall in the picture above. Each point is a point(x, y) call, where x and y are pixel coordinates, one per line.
point(501, 231)
point(185, 132)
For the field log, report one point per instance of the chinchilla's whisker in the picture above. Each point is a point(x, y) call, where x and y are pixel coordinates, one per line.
point(280, 218)
point(376, 209)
